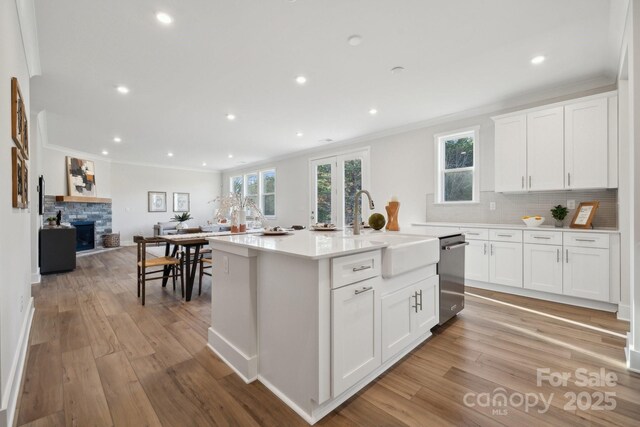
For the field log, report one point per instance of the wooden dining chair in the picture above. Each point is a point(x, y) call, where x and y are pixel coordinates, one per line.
point(205, 264)
point(168, 266)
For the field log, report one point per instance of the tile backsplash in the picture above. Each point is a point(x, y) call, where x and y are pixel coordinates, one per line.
point(511, 207)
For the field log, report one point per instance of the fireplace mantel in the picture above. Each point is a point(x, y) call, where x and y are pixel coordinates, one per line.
point(79, 199)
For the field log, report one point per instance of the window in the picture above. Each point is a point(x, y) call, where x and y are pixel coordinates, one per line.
point(258, 186)
point(457, 167)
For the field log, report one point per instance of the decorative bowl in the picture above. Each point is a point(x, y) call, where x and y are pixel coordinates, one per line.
point(533, 221)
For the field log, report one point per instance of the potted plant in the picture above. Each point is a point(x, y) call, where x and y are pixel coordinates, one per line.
point(52, 220)
point(559, 213)
point(182, 219)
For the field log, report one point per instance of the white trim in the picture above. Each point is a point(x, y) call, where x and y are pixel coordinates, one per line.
point(624, 312)
point(245, 366)
point(36, 278)
point(633, 359)
point(10, 393)
point(29, 33)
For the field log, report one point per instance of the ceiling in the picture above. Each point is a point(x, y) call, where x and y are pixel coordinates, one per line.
point(242, 57)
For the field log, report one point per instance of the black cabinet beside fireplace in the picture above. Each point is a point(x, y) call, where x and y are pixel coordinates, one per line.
point(57, 249)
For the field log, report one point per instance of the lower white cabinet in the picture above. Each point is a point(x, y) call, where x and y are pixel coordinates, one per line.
point(543, 268)
point(505, 263)
point(355, 333)
point(586, 272)
point(476, 260)
point(407, 314)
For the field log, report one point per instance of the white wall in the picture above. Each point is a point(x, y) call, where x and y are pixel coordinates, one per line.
point(127, 185)
point(402, 164)
point(15, 233)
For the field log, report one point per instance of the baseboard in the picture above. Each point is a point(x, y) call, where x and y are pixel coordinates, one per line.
point(624, 312)
point(245, 366)
point(10, 394)
point(633, 356)
point(36, 277)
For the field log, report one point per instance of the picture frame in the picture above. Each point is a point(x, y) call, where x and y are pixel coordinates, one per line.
point(25, 185)
point(584, 215)
point(17, 176)
point(81, 177)
point(157, 201)
point(181, 202)
point(19, 122)
point(41, 193)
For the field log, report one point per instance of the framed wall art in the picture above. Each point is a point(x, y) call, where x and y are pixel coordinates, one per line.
point(584, 214)
point(25, 185)
point(17, 177)
point(81, 177)
point(181, 202)
point(19, 122)
point(157, 201)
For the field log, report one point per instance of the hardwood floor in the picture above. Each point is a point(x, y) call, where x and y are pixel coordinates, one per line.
point(97, 357)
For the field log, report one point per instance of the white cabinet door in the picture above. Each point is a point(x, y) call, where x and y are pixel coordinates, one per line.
point(398, 309)
point(586, 273)
point(586, 144)
point(426, 315)
point(511, 153)
point(543, 268)
point(355, 334)
point(476, 260)
point(545, 149)
point(505, 263)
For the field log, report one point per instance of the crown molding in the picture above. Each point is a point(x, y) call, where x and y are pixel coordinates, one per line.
point(525, 100)
point(29, 32)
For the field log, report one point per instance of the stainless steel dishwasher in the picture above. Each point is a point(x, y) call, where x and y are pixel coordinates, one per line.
point(451, 271)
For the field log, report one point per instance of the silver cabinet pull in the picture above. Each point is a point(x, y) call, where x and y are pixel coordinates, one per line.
point(568, 179)
point(504, 235)
point(522, 181)
point(585, 240)
point(557, 255)
point(492, 249)
point(419, 303)
point(567, 257)
point(363, 290)
point(362, 267)
point(542, 237)
point(415, 296)
point(471, 234)
point(456, 246)
point(484, 252)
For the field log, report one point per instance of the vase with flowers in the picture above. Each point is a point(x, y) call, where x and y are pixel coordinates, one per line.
point(237, 207)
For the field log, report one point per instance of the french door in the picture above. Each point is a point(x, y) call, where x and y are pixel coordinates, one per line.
point(334, 183)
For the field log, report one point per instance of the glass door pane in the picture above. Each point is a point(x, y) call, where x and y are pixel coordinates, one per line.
point(323, 201)
point(352, 173)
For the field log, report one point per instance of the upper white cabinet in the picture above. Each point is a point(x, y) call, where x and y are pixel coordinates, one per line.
point(545, 153)
point(568, 145)
point(511, 153)
point(585, 144)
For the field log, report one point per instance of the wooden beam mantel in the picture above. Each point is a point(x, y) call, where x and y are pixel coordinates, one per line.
point(79, 199)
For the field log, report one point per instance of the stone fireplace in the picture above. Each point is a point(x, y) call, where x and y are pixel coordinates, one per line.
point(82, 212)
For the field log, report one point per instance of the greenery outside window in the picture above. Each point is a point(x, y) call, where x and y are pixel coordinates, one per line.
point(268, 193)
point(457, 166)
point(258, 186)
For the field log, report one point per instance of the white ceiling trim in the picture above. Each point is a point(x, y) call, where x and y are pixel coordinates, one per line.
point(597, 85)
point(29, 31)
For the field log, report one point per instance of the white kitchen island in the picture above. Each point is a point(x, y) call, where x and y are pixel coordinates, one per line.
point(315, 316)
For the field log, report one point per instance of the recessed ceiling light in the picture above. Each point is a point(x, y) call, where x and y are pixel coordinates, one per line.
point(301, 80)
point(373, 111)
point(397, 70)
point(105, 152)
point(230, 156)
point(117, 139)
point(354, 40)
point(299, 134)
point(122, 89)
point(538, 59)
point(204, 163)
point(164, 18)
point(170, 154)
point(231, 117)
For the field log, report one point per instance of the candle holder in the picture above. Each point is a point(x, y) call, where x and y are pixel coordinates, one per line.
point(392, 214)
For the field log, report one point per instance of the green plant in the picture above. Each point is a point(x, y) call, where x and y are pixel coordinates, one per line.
point(185, 216)
point(559, 212)
point(52, 218)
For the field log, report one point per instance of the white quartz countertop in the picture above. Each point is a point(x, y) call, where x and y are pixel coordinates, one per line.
point(313, 244)
point(417, 225)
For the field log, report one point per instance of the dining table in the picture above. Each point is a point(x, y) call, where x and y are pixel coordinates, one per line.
point(192, 244)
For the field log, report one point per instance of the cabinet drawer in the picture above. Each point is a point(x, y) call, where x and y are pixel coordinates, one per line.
point(586, 240)
point(475, 233)
point(543, 237)
point(505, 235)
point(354, 268)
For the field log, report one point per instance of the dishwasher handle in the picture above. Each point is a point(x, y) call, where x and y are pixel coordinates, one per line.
point(457, 245)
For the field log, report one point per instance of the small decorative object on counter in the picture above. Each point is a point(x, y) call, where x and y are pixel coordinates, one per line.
point(392, 213)
point(182, 220)
point(377, 221)
point(51, 220)
point(533, 221)
point(58, 217)
point(584, 215)
point(559, 213)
